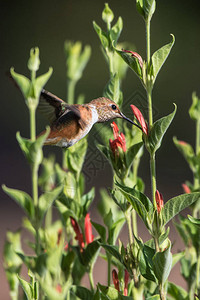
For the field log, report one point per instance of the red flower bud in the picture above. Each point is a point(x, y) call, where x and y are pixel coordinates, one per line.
point(159, 201)
point(186, 188)
point(79, 235)
point(140, 118)
point(119, 140)
point(115, 280)
point(88, 230)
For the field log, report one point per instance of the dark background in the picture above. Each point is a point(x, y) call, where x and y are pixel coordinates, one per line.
point(47, 24)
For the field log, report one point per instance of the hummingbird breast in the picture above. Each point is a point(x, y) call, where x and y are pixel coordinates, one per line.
point(71, 127)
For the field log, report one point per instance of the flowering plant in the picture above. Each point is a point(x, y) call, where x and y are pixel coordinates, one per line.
point(65, 250)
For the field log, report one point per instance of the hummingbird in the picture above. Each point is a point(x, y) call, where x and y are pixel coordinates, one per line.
point(71, 123)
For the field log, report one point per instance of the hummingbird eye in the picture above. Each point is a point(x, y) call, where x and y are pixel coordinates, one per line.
point(114, 107)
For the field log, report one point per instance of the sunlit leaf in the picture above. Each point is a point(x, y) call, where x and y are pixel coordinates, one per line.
point(159, 57)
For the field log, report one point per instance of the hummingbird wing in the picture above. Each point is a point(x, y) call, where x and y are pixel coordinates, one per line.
point(57, 110)
point(50, 105)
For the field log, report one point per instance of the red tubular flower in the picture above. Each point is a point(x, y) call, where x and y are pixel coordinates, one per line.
point(135, 54)
point(119, 140)
point(186, 188)
point(126, 278)
point(79, 235)
point(88, 230)
point(115, 280)
point(159, 201)
point(140, 118)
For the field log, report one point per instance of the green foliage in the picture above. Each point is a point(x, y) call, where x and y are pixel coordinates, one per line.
point(159, 57)
point(157, 132)
point(146, 8)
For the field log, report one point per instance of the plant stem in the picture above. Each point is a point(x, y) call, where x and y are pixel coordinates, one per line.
point(91, 278)
point(32, 110)
point(198, 273)
point(70, 91)
point(109, 267)
point(162, 292)
point(128, 220)
point(153, 179)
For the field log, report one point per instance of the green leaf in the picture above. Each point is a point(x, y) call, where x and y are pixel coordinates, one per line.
point(146, 8)
point(46, 200)
point(90, 254)
point(87, 199)
point(157, 132)
point(177, 204)
point(132, 152)
point(113, 250)
point(139, 202)
point(155, 297)
point(115, 230)
point(33, 149)
point(112, 89)
point(116, 31)
point(102, 35)
point(101, 231)
point(194, 110)
point(194, 221)
point(23, 199)
point(23, 82)
point(27, 287)
point(177, 257)
point(111, 293)
point(131, 61)
point(81, 292)
point(188, 153)
point(162, 264)
point(146, 260)
point(74, 156)
point(159, 57)
point(41, 81)
point(176, 291)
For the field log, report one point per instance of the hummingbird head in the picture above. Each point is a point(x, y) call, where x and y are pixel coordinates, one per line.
point(107, 110)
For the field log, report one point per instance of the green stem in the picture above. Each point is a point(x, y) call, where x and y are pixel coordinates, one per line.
point(162, 292)
point(134, 222)
point(198, 274)
point(70, 91)
point(91, 278)
point(153, 179)
point(109, 267)
point(32, 110)
point(128, 221)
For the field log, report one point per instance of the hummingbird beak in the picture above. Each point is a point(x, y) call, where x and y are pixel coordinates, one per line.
point(129, 120)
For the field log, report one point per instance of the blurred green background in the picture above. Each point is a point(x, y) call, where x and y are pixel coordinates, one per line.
point(47, 24)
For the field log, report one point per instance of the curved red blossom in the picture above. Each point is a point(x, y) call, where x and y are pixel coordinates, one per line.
point(115, 279)
point(119, 140)
point(159, 201)
point(88, 229)
point(186, 188)
point(140, 118)
point(79, 235)
point(135, 54)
